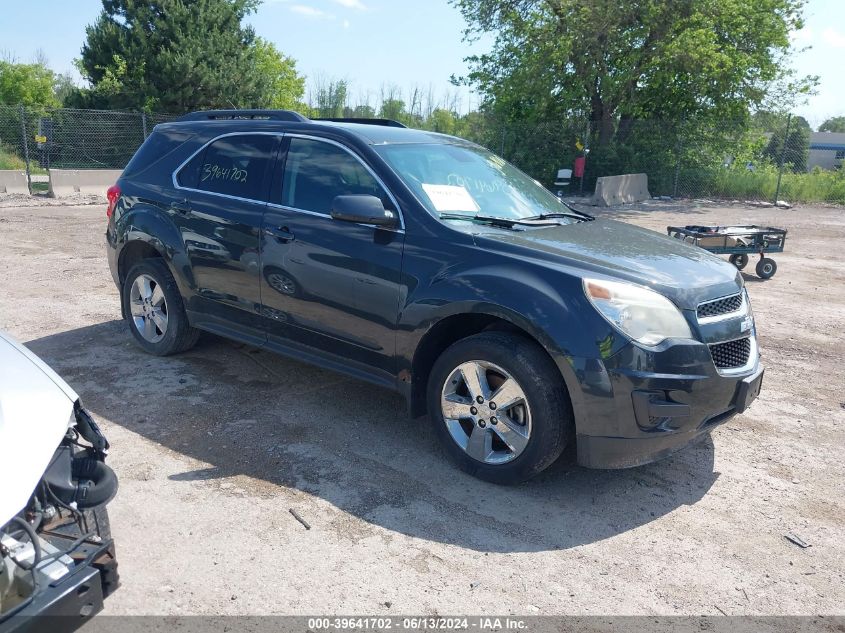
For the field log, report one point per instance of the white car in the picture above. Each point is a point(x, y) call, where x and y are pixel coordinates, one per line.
point(57, 556)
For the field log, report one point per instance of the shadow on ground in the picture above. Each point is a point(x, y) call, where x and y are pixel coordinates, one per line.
point(244, 411)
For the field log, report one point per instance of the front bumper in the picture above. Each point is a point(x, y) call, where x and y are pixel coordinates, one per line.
point(68, 603)
point(641, 406)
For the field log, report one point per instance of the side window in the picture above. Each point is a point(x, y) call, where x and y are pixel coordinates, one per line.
point(232, 165)
point(189, 175)
point(317, 172)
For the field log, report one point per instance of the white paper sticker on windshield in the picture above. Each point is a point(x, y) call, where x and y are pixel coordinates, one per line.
point(451, 198)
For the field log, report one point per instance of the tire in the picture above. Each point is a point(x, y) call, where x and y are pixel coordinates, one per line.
point(98, 521)
point(740, 260)
point(766, 268)
point(538, 426)
point(170, 333)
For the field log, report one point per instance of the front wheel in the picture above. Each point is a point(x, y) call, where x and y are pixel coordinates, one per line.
point(499, 407)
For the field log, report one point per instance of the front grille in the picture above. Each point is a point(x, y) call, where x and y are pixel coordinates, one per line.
point(731, 354)
point(725, 305)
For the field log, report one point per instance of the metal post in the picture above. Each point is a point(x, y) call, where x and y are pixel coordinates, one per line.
point(144, 124)
point(678, 149)
point(782, 152)
point(504, 131)
point(25, 147)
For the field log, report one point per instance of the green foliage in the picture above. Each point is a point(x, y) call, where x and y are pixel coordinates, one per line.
point(611, 62)
point(761, 183)
point(792, 147)
point(836, 124)
point(176, 56)
point(393, 109)
point(331, 98)
point(284, 86)
point(26, 84)
point(10, 160)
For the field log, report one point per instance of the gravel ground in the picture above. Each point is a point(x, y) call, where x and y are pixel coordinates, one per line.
point(214, 447)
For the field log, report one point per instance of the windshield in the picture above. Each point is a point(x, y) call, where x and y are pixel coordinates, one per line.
point(463, 180)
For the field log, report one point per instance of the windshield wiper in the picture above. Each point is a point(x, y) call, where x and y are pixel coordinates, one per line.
point(544, 219)
point(576, 214)
point(489, 219)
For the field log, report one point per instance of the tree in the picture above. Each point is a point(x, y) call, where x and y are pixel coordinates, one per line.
point(835, 124)
point(331, 97)
point(393, 109)
point(178, 55)
point(793, 148)
point(284, 87)
point(614, 62)
point(27, 84)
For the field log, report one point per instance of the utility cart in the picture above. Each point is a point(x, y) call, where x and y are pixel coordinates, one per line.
point(737, 241)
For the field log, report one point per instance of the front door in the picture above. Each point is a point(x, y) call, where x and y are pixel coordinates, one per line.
point(327, 284)
point(225, 189)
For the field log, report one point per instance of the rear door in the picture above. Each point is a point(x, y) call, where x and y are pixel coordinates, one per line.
point(329, 284)
point(225, 188)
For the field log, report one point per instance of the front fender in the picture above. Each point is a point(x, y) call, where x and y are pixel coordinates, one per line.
point(548, 305)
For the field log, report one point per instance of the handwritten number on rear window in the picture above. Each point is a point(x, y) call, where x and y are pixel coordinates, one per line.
point(216, 172)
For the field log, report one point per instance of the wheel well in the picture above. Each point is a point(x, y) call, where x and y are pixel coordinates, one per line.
point(133, 253)
point(443, 334)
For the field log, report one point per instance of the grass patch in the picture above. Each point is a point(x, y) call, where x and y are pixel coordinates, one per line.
point(740, 184)
point(10, 160)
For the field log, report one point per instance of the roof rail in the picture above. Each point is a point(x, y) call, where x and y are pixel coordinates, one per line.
point(381, 122)
point(230, 115)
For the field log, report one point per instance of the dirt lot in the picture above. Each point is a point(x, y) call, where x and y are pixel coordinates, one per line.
point(215, 446)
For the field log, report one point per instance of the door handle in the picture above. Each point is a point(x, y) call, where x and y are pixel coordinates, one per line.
point(181, 207)
point(280, 233)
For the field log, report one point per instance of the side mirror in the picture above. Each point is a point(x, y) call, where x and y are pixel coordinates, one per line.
point(362, 209)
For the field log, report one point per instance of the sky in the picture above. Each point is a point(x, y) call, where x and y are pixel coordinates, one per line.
point(405, 43)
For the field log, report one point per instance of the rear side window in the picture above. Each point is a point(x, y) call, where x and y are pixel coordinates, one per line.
point(158, 145)
point(232, 166)
point(317, 172)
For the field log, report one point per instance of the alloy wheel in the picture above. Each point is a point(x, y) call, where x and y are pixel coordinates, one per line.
point(149, 308)
point(486, 412)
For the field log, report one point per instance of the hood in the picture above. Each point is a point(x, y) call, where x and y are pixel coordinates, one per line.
point(686, 274)
point(36, 409)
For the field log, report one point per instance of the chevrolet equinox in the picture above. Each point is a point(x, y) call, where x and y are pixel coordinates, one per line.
point(427, 264)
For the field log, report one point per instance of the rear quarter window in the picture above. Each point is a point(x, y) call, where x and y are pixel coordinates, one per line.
point(158, 145)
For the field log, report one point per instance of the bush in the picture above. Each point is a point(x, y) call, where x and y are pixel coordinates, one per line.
point(10, 160)
point(761, 184)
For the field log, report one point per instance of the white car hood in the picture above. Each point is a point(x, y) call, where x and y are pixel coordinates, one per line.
point(36, 409)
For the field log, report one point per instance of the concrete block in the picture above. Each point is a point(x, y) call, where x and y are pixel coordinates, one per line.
point(611, 190)
point(13, 181)
point(67, 182)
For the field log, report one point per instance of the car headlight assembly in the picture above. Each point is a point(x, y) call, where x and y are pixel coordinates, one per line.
point(642, 314)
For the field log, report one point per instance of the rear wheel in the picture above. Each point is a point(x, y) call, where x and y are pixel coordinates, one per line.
point(766, 268)
point(740, 260)
point(155, 311)
point(499, 407)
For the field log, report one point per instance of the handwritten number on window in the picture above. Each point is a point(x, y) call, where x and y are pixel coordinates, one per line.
point(216, 172)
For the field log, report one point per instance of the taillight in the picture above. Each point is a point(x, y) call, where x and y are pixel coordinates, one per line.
point(113, 194)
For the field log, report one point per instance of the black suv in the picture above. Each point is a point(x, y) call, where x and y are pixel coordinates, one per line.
point(426, 264)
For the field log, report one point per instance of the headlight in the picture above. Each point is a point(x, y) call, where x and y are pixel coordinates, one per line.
point(645, 315)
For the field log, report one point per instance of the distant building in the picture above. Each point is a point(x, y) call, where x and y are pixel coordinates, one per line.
point(827, 150)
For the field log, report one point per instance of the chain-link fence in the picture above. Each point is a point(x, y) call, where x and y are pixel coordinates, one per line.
point(38, 139)
point(727, 160)
point(779, 159)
